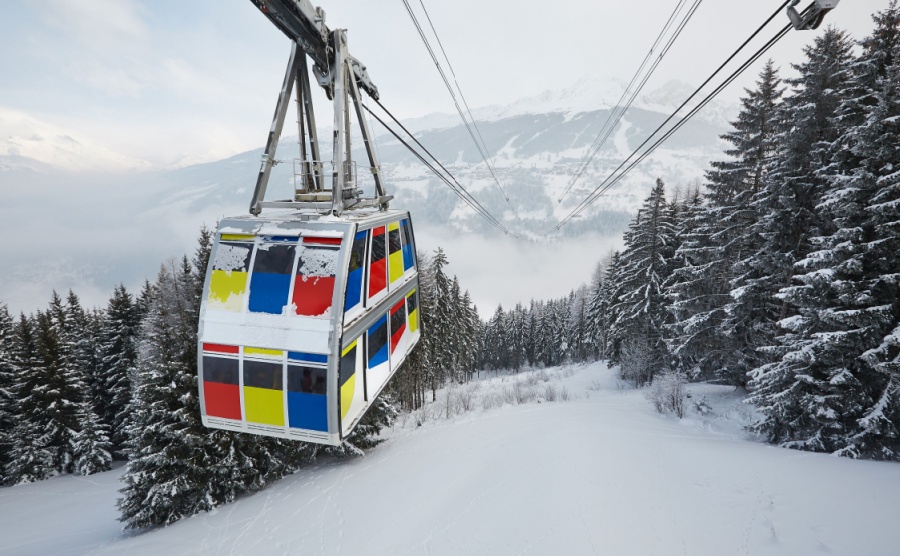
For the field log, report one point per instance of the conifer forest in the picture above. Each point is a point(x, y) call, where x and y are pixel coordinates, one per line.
point(777, 274)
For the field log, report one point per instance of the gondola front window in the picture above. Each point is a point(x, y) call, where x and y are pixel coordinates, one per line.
point(270, 283)
point(228, 282)
point(314, 282)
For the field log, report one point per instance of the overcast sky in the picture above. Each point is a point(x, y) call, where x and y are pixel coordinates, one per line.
point(167, 80)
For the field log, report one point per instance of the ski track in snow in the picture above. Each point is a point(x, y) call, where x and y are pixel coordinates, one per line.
point(598, 474)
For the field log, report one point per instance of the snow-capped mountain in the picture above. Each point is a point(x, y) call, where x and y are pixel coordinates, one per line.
point(588, 94)
point(123, 226)
point(27, 143)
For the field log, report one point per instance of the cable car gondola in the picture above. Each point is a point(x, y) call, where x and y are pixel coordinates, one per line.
point(308, 310)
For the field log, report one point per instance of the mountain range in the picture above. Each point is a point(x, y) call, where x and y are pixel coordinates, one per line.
point(107, 218)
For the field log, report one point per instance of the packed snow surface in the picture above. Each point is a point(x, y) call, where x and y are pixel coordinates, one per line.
point(597, 473)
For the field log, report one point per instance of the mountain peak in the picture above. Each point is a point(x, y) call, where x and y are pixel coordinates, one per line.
point(29, 143)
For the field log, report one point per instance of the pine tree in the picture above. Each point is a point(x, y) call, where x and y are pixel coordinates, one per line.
point(838, 395)
point(8, 401)
point(640, 310)
point(786, 389)
point(707, 338)
point(91, 448)
point(117, 359)
point(32, 455)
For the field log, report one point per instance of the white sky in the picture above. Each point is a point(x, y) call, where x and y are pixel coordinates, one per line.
point(173, 80)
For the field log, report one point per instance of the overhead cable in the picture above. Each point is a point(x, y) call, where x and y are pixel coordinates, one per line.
point(629, 95)
point(612, 178)
point(479, 140)
point(447, 177)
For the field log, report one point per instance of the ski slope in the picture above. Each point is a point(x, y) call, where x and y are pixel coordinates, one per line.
point(600, 473)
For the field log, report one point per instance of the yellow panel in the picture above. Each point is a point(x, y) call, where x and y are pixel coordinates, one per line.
point(238, 237)
point(227, 289)
point(393, 226)
point(396, 266)
point(347, 391)
point(348, 348)
point(414, 321)
point(261, 351)
point(264, 406)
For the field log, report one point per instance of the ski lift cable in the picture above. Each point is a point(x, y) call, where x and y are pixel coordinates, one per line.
point(690, 115)
point(478, 209)
point(469, 196)
point(627, 98)
point(697, 91)
point(611, 181)
point(482, 149)
point(454, 185)
point(589, 199)
point(633, 97)
point(491, 165)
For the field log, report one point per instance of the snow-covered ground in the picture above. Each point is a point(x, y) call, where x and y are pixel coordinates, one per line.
point(597, 473)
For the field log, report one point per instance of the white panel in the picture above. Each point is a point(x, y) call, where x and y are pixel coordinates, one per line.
point(290, 333)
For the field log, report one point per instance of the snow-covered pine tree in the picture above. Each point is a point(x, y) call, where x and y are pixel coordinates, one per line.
point(91, 447)
point(580, 348)
point(32, 454)
point(594, 320)
point(496, 350)
point(410, 382)
point(117, 358)
point(690, 291)
point(89, 444)
point(471, 332)
point(8, 409)
point(707, 338)
point(177, 467)
point(442, 320)
point(786, 389)
point(843, 400)
point(640, 310)
point(64, 389)
point(602, 308)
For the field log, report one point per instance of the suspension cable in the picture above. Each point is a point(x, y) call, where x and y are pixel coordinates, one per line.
point(479, 140)
point(607, 183)
point(622, 106)
point(448, 179)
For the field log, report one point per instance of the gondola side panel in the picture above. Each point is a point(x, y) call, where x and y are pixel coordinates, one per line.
point(266, 363)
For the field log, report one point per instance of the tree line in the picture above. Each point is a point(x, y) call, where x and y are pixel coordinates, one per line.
point(782, 274)
point(779, 274)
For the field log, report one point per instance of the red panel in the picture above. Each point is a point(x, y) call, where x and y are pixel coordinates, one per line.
point(379, 231)
point(398, 306)
point(222, 400)
point(377, 277)
point(395, 337)
point(323, 240)
point(312, 294)
point(219, 348)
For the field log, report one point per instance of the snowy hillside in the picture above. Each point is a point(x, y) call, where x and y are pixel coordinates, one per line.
point(141, 218)
point(598, 473)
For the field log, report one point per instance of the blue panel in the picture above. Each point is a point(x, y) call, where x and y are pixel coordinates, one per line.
point(378, 343)
point(307, 411)
point(282, 239)
point(354, 289)
point(407, 245)
point(407, 257)
point(379, 357)
point(308, 357)
point(269, 292)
